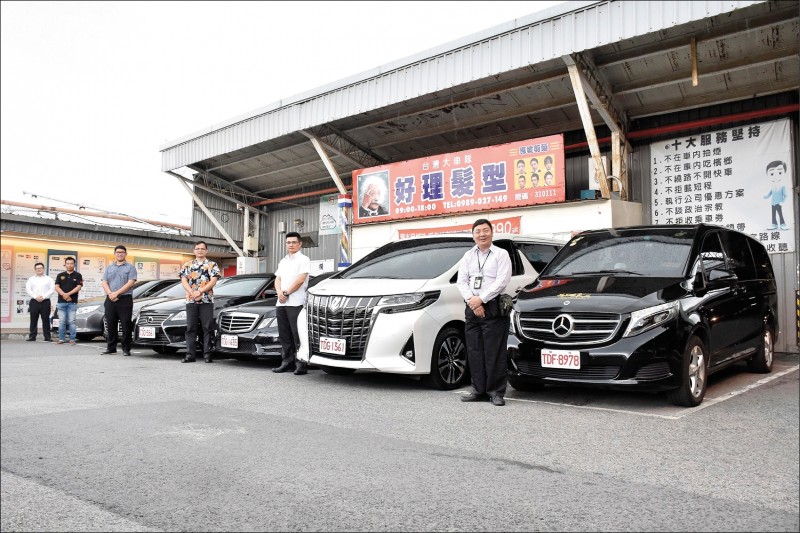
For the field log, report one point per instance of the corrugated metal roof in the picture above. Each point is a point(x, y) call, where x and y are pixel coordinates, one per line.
point(533, 40)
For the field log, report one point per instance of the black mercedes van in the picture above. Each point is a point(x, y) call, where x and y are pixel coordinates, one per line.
point(647, 307)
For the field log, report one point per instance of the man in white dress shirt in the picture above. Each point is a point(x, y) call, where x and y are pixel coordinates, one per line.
point(483, 275)
point(40, 288)
point(291, 282)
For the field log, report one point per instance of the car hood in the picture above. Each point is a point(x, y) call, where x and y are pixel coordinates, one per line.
point(175, 305)
point(601, 294)
point(368, 287)
point(259, 307)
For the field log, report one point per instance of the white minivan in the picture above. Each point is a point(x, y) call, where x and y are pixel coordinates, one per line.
point(398, 309)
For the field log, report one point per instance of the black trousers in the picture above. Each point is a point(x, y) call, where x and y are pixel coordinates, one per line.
point(119, 313)
point(487, 340)
point(40, 310)
point(288, 333)
point(202, 315)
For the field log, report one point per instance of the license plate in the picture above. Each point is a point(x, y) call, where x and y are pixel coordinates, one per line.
point(570, 359)
point(334, 346)
point(229, 341)
point(147, 332)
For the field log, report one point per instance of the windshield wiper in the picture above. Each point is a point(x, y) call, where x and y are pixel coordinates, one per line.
point(609, 271)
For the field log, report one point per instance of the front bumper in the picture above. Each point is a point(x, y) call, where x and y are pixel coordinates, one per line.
point(649, 361)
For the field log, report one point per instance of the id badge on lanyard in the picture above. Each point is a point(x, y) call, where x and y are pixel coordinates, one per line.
point(476, 282)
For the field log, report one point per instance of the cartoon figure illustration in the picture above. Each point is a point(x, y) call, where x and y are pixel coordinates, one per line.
point(775, 172)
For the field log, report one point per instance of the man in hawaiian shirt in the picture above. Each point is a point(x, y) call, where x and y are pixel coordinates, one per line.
point(198, 277)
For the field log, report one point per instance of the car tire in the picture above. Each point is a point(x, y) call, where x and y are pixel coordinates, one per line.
point(336, 371)
point(525, 386)
point(163, 350)
point(449, 368)
point(761, 362)
point(694, 375)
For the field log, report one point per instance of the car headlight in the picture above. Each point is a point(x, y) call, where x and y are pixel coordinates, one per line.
point(397, 303)
point(86, 310)
point(512, 320)
point(134, 317)
point(651, 317)
point(268, 322)
point(181, 315)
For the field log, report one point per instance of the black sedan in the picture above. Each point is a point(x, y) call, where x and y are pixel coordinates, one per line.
point(250, 331)
point(162, 326)
point(90, 314)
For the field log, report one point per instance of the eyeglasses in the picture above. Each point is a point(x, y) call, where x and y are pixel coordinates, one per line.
point(120, 252)
point(482, 232)
point(200, 249)
point(292, 242)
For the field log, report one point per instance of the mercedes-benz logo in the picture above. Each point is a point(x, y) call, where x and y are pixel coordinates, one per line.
point(562, 325)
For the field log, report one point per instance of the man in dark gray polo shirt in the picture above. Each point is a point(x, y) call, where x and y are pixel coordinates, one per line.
point(117, 281)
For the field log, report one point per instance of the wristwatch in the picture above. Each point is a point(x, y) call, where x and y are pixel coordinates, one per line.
point(286, 293)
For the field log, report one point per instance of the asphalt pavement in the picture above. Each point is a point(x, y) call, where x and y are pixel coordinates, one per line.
point(145, 443)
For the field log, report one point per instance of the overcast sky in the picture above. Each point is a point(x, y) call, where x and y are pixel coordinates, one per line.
point(91, 90)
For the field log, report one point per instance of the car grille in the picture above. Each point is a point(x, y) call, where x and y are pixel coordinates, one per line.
point(340, 317)
point(586, 372)
point(155, 320)
point(237, 322)
point(574, 328)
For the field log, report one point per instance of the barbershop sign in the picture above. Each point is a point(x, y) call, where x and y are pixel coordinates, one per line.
point(509, 175)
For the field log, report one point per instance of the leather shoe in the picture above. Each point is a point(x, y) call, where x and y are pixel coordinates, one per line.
point(473, 397)
point(301, 369)
point(498, 401)
point(282, 368)
point(30, 340)
point(125, 353)
point(108, 352)
point(209, 360)
point(187, 360)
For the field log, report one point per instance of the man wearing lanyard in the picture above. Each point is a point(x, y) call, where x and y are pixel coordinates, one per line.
point(483, 275)
point(117, 281)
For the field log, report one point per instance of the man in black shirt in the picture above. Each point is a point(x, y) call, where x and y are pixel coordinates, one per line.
point(68, 284)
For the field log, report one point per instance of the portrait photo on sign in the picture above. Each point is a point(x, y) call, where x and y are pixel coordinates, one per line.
point(373, 191)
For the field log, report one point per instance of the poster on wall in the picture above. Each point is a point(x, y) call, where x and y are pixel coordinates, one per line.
point(146, 268)
point(168, 270)
point(500, 226)
point(329, 215)
point(22, 270)
point(509, 175)
point(739, 178)
point(92, 269)
point(55, 261)
point(5, 283)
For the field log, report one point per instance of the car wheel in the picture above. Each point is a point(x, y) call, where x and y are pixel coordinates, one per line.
point(694, 375)
point(527, 386)
point(336, 371)
point(761, 362)
point(449, 361)
point(165, 349)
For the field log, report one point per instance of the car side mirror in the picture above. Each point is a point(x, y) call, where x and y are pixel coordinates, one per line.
point(721, 277)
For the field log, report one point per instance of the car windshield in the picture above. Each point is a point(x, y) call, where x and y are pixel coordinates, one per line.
point(173, 291)
point(410, 260)
point(238, 287)
point(659, 252)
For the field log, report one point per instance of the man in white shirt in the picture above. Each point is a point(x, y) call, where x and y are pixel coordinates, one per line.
point(40, 288)
point(291, 281)
point(483, 275)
